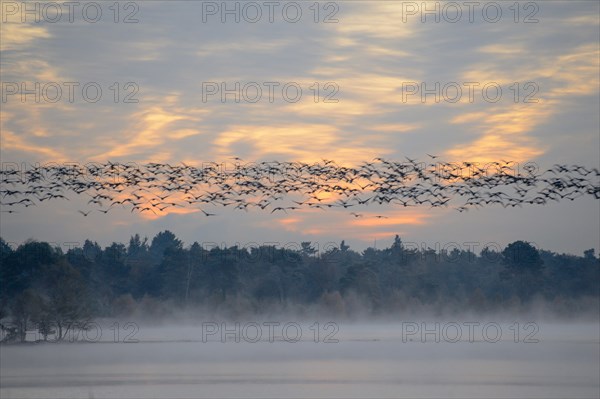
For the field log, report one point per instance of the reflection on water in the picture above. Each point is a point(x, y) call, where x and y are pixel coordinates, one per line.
point(369, 361)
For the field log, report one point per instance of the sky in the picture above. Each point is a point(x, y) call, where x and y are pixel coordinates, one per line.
point(346, 81)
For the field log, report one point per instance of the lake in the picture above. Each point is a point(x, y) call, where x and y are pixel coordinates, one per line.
point(451, 359)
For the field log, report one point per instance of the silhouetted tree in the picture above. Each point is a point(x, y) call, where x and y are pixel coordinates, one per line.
point(523, 265)
point(43, 288)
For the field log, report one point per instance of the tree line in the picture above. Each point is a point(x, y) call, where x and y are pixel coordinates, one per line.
point(45, 288)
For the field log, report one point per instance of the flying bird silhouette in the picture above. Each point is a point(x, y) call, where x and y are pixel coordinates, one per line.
point(269, 186)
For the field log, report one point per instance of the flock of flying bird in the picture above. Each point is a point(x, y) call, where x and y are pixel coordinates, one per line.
point(286, 186)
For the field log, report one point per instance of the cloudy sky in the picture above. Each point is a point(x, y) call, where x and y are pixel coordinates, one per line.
point(367, 72)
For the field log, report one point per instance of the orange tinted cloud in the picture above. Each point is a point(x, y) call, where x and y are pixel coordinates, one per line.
point(16, 35)
point(153, 130)
point(503, 134)
point(299, 142)
point(370, 220)
point(336, 222)
point(149, 215)
point(12, 142)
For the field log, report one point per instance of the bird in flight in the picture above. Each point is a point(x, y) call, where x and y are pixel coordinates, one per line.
point(144, 188)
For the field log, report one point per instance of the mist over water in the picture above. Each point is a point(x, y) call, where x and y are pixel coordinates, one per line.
point(387, 326)
point(412, 358)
